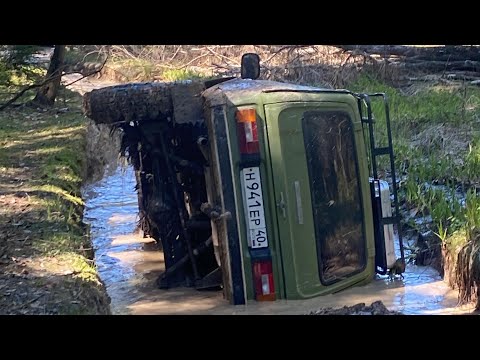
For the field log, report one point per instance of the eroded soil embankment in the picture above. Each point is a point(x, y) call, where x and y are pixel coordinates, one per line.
point(46, 256)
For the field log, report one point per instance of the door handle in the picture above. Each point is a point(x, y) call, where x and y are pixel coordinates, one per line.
point(281, 205)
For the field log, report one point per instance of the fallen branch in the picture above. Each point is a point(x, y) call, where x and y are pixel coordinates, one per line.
point(289, 47)
point(434, 65)
point(423, 55)
point(30, 87)
point(229, 67)
point(193, 60)
point(176, 52)
point(46, 81)
point(123, 50)
point(399, 50)
point(90, 53)
point(89, 74)
point(227, 59)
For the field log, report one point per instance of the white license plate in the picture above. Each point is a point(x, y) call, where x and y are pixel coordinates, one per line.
point(254, 211)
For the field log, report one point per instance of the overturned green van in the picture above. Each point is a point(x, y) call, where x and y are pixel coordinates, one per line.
point(290, 164)
point(266, 189)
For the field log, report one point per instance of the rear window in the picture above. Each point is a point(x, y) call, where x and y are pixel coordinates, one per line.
point(336, 201)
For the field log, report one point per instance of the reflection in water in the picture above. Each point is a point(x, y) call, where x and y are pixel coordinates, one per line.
point(111, 210)
point(129, 265)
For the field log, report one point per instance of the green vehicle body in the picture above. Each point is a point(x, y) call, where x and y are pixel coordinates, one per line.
point(282, 112)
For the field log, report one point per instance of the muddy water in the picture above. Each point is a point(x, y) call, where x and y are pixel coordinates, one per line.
point(121, 253)
point(129, 265)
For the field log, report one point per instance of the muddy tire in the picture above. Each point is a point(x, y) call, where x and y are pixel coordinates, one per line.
point(145, 101)
point(130, 102)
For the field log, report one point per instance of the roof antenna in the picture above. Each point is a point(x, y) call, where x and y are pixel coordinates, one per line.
point(250, 68)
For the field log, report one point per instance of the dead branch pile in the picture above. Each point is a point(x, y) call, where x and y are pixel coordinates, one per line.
point(325, 66)
point(451, 62)
point(320, 65)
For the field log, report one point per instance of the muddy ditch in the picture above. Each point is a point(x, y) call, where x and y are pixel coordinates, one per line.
point(129, 265)
point(421, 237)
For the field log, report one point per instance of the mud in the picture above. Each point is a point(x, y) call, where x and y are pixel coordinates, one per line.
point(376, 308)
point(102, 151)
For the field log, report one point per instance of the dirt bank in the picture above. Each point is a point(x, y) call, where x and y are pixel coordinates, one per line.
point(46, 256)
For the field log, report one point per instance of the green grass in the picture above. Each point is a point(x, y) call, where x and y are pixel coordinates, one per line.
point(50, 146)
point(47, 149)
point(181, 74)
point(436, 140)
point(454, 105)
point(129, 70)
point(14, 77)
point(135, 69)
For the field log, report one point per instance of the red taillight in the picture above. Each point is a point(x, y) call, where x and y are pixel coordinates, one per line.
point(247, 131)
point(263, 280)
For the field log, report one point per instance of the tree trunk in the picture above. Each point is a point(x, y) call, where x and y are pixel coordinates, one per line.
point(438, 53)
point(46, 94)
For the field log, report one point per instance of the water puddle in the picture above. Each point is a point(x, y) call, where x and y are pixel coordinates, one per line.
point(130, 264)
